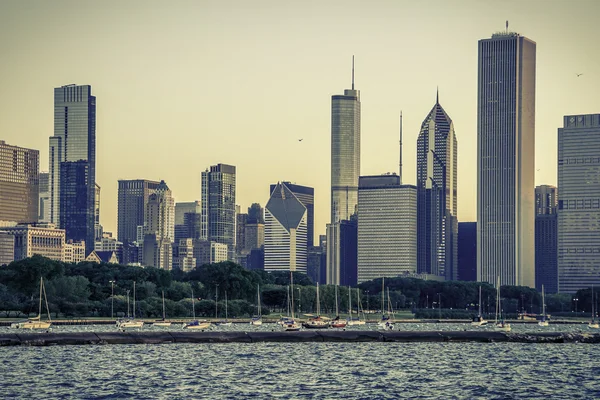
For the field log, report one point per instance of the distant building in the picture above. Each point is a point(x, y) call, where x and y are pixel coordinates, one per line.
point(97, 227)
point(546, 238)
point(7, 248)
point(109, 243)
point(74, 252)
point(306, 195)
point(256, 259)
point(19, 183)
point(159, 228)
point(240, 233)
point(44, 196)
point(285, 231)
point(77, 215)
point(206, 252)
point(579, 203)
point(131, 209)
point(344, 258)
point(467, 251)
point(109, 257)
point(254, 236)
point(185, 259)
point(387, 222)
point(505, 160)
point(218, 206)
point(314, 263)
point(42, 239)
point(182, 208)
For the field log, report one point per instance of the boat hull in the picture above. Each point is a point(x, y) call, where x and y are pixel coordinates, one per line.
point(352, 323)
point(202, 325)
point(163, 324)
point(257, 322)
point(32, 325)
point(543, 323)
point(593, 325)
point(131, 325)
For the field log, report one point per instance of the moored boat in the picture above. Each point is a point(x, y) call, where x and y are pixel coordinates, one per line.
point(36, 323)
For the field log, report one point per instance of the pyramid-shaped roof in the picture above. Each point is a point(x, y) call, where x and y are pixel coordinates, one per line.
point(286, 207)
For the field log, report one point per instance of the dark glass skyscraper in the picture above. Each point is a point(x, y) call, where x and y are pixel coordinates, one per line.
point(546, 240)
point(75, 216)
point(505, 160)
point(467, 251)
point(437, 199)
point(74, 140)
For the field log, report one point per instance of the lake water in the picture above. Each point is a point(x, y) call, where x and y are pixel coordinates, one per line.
point(305, 370)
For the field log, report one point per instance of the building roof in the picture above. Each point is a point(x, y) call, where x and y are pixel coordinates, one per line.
point(286, 207)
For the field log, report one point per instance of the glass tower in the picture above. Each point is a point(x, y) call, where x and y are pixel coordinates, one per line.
point(579, 203)
point(505, 160)
point(546, 230)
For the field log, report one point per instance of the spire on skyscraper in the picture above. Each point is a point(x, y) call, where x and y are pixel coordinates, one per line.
point(352, 72)
point(400, 171)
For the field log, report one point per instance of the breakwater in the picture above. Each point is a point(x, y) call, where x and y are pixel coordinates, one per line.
point(81, 338)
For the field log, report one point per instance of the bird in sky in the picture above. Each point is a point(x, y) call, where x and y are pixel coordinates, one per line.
point(300, 139)
point(578, 75)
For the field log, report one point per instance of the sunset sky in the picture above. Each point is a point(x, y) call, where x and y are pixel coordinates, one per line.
point(182, 85)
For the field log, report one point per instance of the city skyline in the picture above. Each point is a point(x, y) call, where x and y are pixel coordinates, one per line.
point(157, 107)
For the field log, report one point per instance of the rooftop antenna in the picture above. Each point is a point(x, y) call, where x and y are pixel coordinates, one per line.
point(437, 95)
point(400, 147)
point(506, 26)
point(352, 72)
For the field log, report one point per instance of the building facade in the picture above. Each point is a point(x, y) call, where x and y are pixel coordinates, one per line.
point(546, 238)
point(218, 206)
point(132, 200)
point(437, 200)
point(387, 222)
point(579, 203)
point(159, 228)
point(467, 251)
point(44, 198)
point(19, 183)
point(306, 195)
point(505, 160)
point(77, 214)
point(37, 238)
point(285, 231)
point(74, 141)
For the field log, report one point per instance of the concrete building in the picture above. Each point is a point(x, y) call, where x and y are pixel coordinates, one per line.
point(19, 183)
point(218, 206)
point(159, 228)
point(387, 222)
point(285, 231)
point(207, 252)
point(505, 160)
point(37, 238)
point(185, 259)
point(437, 199)
point(109, 243)
point(579, 203)
point(131, 207)
point(7, 248)
point(74, 252)
point(241, 219)
point(467, 251)
point(44, 198)
point(546, 238)
point(73, 149)
point(98, 229)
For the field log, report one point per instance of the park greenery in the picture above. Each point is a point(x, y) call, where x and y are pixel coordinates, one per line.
point(100, 290)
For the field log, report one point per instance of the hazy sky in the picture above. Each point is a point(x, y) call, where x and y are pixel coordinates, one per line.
point(182, 85)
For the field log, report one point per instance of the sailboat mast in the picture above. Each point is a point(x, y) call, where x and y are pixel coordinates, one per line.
point(318, 301)
point(40, 310)
point(358, 303)
point(349, 302)
point(258, 301)
point(163, 296)
point(292, 293)
point(382, 296)
point(336, 302)
point(46, 300)
point(193, 306)
point(497, 297)
point(480, 301)
point(133, 313)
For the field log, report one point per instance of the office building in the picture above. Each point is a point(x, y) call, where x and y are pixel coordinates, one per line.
point(218, 206)
point(579, 203)
point(74, 141)
point(437, 200)
point(74, 252)
point(344, 258)
point(182, 208)
point(387, 222)
point(36, 238)
point(467, 251)
point(306, 195)
point(159, 228)
point(98, 230)
point(241, 219)
point(546, 238)
point(7, 248)
point(285, 231)
point(77, 215)
point(19, 183)
point(131, 207)
point(505, 160)
point(44, 198)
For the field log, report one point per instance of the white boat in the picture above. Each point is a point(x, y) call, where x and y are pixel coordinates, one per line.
point(317, 321)
point(543, 322)
point(290, 325)
point(500, 325)
point(226, 322)
point(257, 319)
point(593, 322)
point(163, 322)
point(337, 322)
point(387, 322)
point(358, 321)
point(130, 323)
point(195, 324)
point(36, 322)
point(479, 320)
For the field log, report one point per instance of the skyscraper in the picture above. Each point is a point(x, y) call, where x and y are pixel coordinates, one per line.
point(437, 199)
point(98, 230)
point(131, 208)
point(579, 203)
point(159, 228)
point(19, 182)
point(74, 140)
point(467, 251)
point(218, 206)
point(76, 217)
point(285, 231)
point(44, 204)
point(307, 196)
point(546, 240)
point(505, 160)
point(387, 222)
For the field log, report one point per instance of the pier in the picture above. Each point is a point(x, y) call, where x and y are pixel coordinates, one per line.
point(20, 338)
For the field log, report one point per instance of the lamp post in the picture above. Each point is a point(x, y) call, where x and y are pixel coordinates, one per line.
point(576, 300)
point(440, 305)
point(427, 303)
point(112, 299)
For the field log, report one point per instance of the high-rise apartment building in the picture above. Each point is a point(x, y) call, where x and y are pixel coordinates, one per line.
point(579, 203)
point(74, 141)
point(131, 208)
point(437, 200)
point(285, 231)
point(546, 239)
point(19, 183)
point(181, 208)
point(387, 222)
point(505, 160)
point(218, 206)
point(306, 195)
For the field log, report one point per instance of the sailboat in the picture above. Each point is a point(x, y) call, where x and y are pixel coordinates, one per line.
point(130, 323)
point(543, 322)
point(291, 325)
point(337, 322)
point(478, 320)
point(500, 325)
point(257, 319)
point(36, 322)
point(284, 319)
point(163, 321)
point(226, 322)
point(593, 323)
point(195, 324)
point(386, 322)
point(316, 322)
point(358, 320)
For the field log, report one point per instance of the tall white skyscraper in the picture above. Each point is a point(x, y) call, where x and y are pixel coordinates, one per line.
point(579, 203)
point(505, 160)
